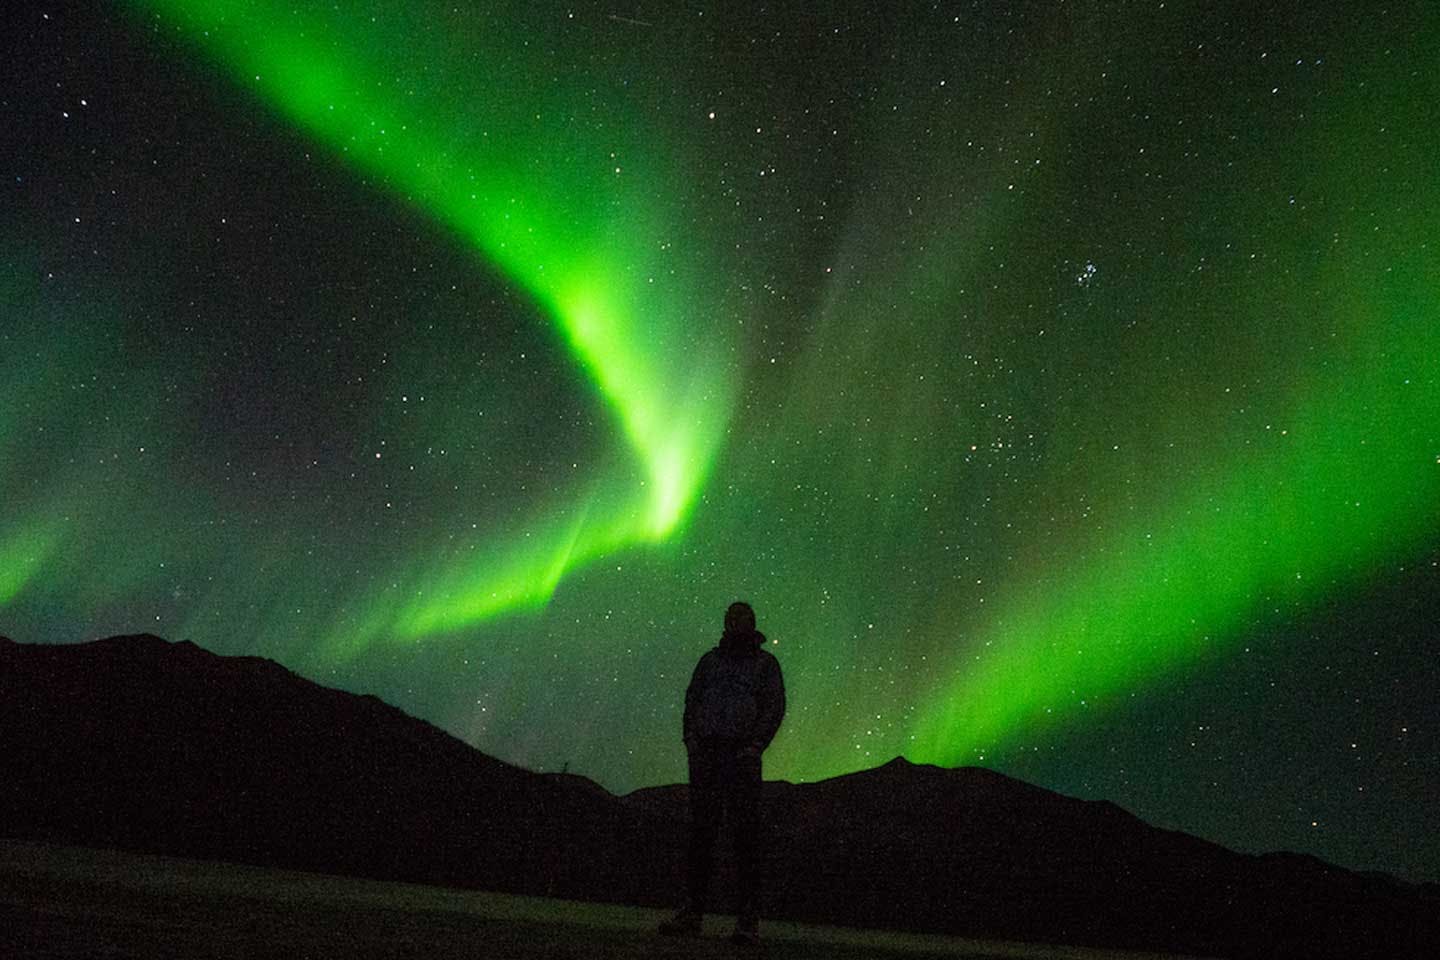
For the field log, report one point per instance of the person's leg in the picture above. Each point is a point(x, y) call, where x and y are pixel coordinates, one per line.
point(706, 807)
point(744, 802)
point(706, 810)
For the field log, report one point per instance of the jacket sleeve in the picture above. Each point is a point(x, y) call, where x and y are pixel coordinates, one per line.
point(692, 700)
point(771, 702)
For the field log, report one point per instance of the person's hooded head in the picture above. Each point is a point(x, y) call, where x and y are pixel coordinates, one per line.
point(740, 635)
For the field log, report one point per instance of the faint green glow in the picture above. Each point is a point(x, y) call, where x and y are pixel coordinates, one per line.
point(1351, 480)
point(22, 557)
point(38, 399)
point(553, 209)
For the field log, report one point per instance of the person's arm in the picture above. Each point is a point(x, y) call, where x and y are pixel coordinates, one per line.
point(692, 700)
point(771, 701)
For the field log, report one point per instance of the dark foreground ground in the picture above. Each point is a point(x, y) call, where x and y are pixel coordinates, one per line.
point(75, 902)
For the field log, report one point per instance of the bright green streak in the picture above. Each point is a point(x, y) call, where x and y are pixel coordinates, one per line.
point(1355, 479)
point(547, 206)
point(1345, 482)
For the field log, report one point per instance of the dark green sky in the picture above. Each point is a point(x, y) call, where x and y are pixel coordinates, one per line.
point(1059, 382)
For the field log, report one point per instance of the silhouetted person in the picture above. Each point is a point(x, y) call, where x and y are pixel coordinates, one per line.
point(733, 706)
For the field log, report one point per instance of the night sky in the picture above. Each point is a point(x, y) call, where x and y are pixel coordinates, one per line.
point(1059, 381)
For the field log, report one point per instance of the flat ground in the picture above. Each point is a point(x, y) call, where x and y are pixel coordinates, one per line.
point(74, 902)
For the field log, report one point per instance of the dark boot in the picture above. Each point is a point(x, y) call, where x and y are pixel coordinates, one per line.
point(747, 932)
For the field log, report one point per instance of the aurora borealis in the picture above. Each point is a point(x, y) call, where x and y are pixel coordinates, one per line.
point(1059, 382)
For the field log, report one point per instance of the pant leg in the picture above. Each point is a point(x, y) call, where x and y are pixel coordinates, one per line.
point(707, 803)
point(744, 803)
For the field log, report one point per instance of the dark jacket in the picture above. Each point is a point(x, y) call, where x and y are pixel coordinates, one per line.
point(736, 694)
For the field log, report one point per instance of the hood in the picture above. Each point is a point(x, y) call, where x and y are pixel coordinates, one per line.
point(741, 644)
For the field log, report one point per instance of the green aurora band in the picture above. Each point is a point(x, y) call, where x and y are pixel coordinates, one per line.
point(1286, 523)
point(557, 217)
point(1344, 481)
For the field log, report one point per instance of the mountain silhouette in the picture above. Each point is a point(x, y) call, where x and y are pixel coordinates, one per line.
point(141, 744)
point(137, 743)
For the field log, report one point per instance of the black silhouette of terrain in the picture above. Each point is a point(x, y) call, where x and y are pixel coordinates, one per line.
point(138, 744)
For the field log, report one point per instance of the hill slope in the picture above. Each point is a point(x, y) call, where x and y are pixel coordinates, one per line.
point(137, 743)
